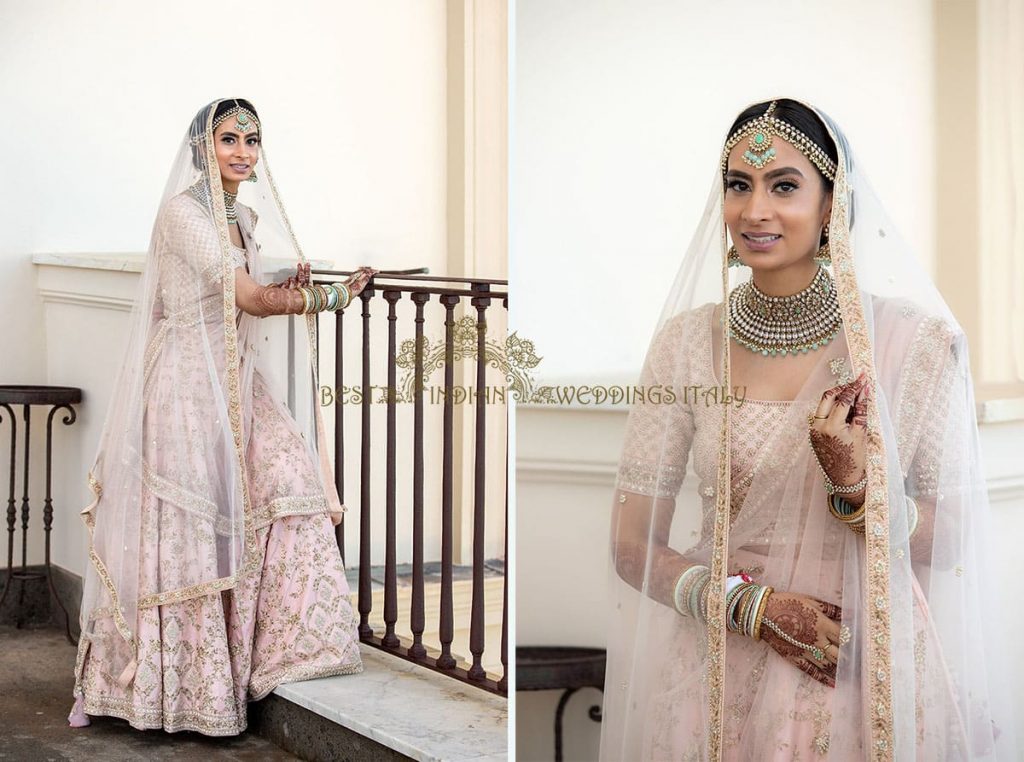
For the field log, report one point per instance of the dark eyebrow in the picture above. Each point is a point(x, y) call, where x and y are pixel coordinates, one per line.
point(770, 175)
point(236, 135)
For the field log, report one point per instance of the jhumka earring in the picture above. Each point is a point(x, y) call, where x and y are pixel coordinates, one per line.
point(252, 177)
point(732, 257)
point(824, 255)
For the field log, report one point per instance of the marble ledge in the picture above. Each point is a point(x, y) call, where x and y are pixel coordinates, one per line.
point(411, 709)
point(130, 263)
point(133, 262)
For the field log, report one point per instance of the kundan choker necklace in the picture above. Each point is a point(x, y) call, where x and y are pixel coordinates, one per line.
point(785, 325)
point(201, 192)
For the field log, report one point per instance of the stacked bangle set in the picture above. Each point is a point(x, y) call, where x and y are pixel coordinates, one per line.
point(691, 592)
point(745, 600)
point(853, 516)
point(318, 297)
point(745, 604)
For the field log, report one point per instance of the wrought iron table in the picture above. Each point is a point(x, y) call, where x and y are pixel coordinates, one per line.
point(541, 668)
point(57, 398)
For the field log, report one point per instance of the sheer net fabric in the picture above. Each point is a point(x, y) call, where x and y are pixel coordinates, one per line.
point(214, 571)
point(702, 481)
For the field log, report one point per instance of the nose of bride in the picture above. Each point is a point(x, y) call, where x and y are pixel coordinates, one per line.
point(757, 208)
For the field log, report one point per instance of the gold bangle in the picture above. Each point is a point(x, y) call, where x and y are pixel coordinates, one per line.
point(306, 300)
point(852, 518)
point(760, 613)
point(344, 295)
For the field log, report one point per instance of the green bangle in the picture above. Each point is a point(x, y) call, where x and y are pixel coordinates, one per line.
point(332, 297)
point(344, 295)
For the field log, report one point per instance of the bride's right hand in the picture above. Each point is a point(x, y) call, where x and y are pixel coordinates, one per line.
point(358, 280)
point(806, 620)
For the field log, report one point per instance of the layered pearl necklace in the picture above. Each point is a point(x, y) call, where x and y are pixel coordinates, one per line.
point(781, 325)
point(229, 208)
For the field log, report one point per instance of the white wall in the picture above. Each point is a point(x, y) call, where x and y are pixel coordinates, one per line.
point(94, 100)
point(620, 110)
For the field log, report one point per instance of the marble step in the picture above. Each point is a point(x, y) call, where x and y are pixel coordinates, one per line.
point(392, 710)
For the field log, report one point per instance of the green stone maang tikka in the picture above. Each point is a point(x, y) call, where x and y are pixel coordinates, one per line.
point(242, 122)
point(245, 120)
point(760, 151)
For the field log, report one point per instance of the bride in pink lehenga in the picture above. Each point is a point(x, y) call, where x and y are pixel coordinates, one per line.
point(822, 586)
point(214, 571)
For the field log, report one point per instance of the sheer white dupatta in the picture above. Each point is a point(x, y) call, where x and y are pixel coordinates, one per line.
point(171, 518)
point(920, 676)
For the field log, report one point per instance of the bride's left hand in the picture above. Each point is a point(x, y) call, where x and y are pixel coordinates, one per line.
point(301, 278)
point(838, 431)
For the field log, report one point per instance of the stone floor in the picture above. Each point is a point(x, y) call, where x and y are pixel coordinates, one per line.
point(36, 667)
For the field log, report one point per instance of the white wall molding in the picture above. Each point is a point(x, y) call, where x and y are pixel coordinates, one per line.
point(1006, 489)
point(57, 296)
point(566, 471)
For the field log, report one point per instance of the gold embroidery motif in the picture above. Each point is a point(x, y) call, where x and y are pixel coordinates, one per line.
point(182, 498)
point(288, 506)
point(645, 479)
point(201, 660)
point(838, 367)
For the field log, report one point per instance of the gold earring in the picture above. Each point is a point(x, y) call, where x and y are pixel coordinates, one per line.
point(732, 257)
point(824, 255)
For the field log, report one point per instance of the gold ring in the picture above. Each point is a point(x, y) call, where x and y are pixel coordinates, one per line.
point(823, 417)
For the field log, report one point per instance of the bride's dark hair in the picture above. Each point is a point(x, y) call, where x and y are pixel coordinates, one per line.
point(230, 103)
point(801, 117)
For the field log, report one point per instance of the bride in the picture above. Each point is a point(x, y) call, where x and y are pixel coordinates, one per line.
point(214, 572)
point(834, 596)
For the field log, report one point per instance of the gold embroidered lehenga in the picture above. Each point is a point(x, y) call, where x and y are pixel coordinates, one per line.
point(214, 574)
point(732, 484)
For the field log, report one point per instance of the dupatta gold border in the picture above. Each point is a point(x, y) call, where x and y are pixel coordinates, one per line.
point(716, 629)
point(877, 600)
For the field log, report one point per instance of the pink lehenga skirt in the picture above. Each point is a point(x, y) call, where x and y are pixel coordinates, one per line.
point(288, 618)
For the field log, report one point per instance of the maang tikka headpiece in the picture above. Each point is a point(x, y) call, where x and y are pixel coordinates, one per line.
point(760, 151)
point(245, 120)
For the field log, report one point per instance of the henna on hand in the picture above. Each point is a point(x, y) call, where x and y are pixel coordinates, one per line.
point(796, 618)
point(847, 393)
point(860, 409)
point(825, 676)
point(800, 617)
point(835, 456)
point(860, 414)
point(357, 282)
point(831, 610)
point(277, 301)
